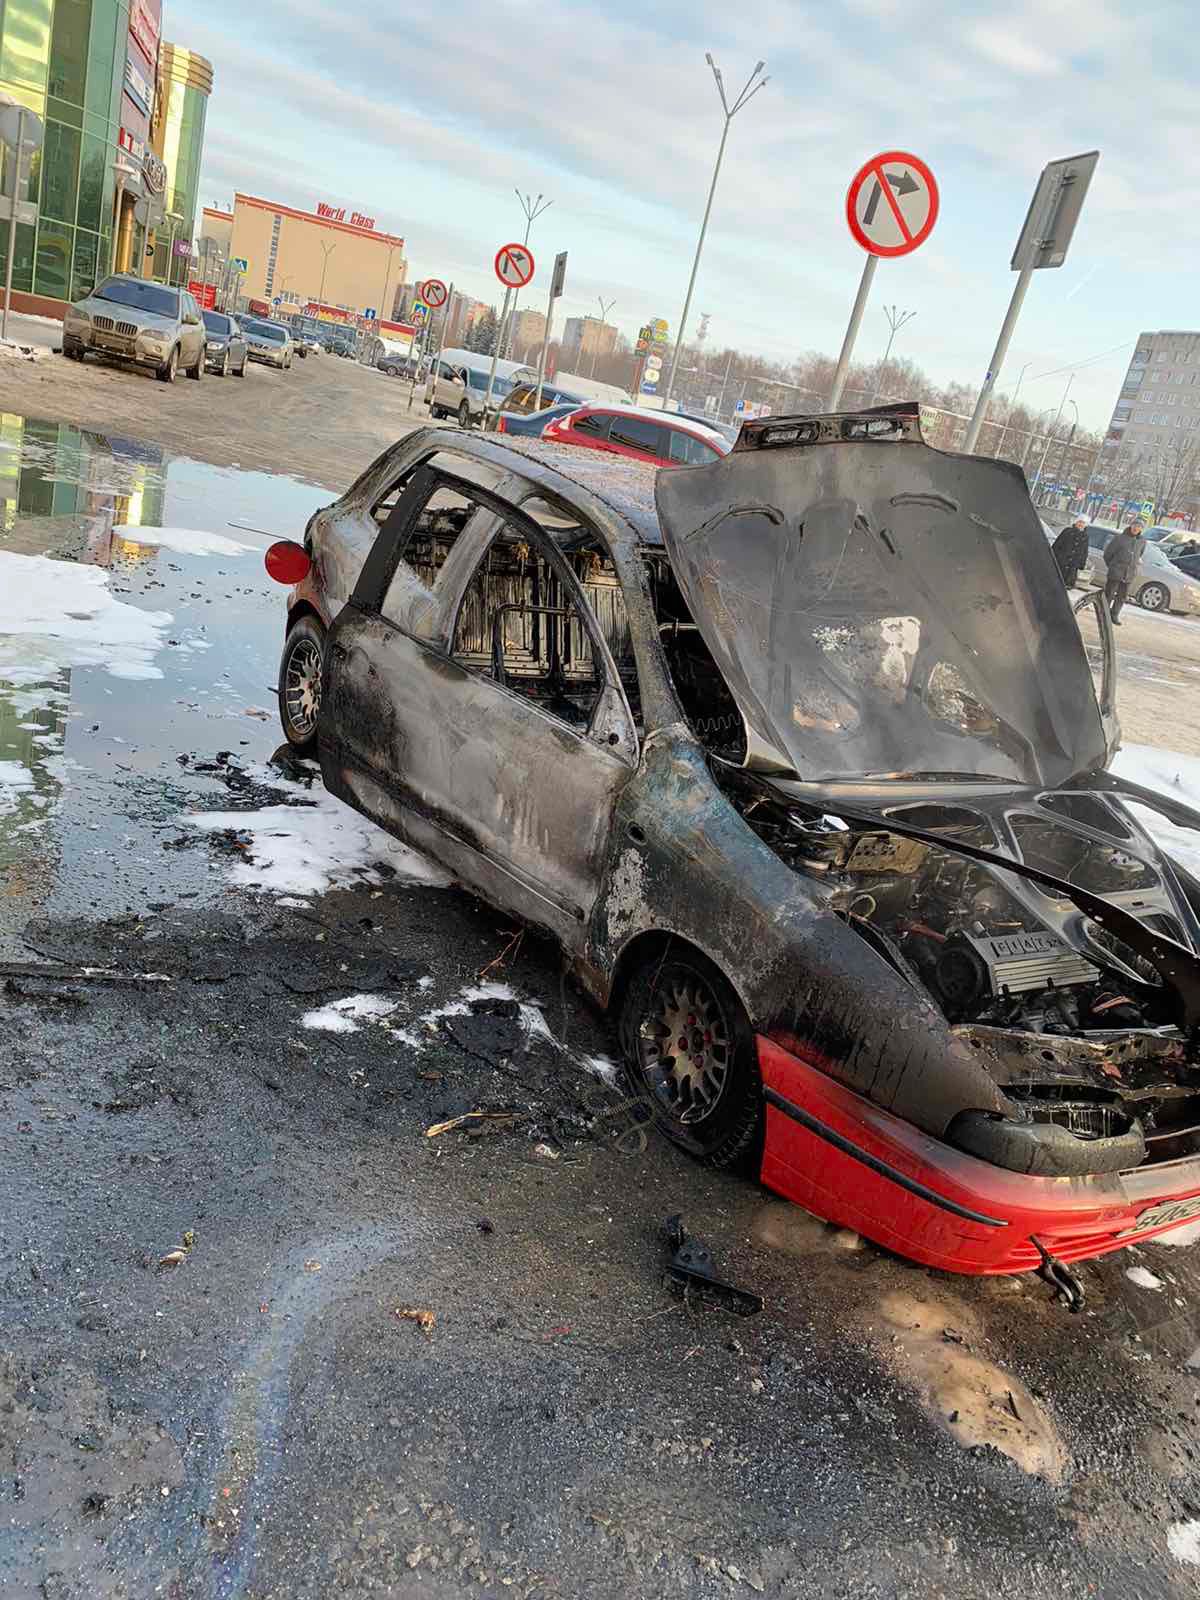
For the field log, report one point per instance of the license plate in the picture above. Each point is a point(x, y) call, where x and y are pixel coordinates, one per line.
point(1166, 1212)
point(114, 341)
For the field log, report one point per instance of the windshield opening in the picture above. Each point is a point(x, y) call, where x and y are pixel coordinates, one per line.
point(142, 296)
point(215, 322)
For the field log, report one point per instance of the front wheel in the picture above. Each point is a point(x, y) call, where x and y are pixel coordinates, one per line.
point(197, 371)
point(224, 372)
point(690, 1057)
point(300, 683)
point(166, 373)
point(1154, 597)
point(464, 415)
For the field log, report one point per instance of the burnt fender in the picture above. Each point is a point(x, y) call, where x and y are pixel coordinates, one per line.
point(683, 861)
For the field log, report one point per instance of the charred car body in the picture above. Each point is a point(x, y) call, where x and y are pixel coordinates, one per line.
point(800, 757)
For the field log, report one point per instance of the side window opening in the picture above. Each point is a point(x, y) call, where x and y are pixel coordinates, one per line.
point(427, 541)
point(709, 707)
point(520, 625)
point(595, 424)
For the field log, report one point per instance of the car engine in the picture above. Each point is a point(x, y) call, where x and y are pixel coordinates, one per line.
point(980, 950)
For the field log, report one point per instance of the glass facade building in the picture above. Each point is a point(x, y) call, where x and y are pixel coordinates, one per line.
point(184, 85)
point(65, 60)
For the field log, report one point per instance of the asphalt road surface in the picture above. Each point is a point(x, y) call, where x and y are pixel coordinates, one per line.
point(264, 1335)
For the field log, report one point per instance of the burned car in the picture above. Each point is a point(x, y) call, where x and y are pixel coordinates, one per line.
point(800, 757)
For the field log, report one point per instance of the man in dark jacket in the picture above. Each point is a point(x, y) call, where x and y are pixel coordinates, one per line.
point(1122, 557)
point(1070, 550)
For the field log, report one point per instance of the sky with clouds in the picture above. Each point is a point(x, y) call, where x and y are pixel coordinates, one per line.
point(426, 118)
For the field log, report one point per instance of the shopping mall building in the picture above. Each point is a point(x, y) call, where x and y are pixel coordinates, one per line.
point(333, 258)
point(120, 114)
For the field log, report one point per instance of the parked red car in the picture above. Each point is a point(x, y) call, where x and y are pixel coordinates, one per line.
point(655, 436)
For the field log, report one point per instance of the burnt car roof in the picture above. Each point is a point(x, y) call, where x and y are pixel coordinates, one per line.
point(624, 484)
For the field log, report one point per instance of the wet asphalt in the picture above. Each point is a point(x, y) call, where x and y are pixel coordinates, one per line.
point(221, 1229)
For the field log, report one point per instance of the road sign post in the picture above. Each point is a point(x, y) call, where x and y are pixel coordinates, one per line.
point(1044, 242)
point(891, 207)
point(514, 268)
point(556, 289)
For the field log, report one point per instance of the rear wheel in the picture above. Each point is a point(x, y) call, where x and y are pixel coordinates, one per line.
point(1154, 597)
point(436, 413)
point(300, 683)
point(240, 372)
point(690, 1057)
point(166, 373)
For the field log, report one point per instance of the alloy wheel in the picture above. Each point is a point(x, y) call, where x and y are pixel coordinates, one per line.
point(302, 687)
point(685, 1049)
point(1154, 597)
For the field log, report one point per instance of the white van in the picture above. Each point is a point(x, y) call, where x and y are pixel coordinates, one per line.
point(457, 385)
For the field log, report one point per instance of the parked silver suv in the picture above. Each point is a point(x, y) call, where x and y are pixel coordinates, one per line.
point(131, 319)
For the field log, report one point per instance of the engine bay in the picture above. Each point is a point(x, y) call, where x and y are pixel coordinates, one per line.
point(1078, 1027)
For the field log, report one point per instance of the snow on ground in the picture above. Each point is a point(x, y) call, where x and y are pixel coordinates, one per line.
point(23, 352)
point(1188, 1233)
point(1174, 775)
point(56, 614)
point(1144, 1278)
point(186, 541)
point(14, 779)
point(349, 1014)
point(317, 844)
point(1183, 1541)
point(343, 1016)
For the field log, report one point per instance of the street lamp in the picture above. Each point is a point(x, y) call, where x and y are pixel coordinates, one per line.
point(533, 209)
point(327, 250)
point(383, 305)
point(896, 320)
point(1012, 406)
point(747, 94)
point(604, 310)
point(1053, 426)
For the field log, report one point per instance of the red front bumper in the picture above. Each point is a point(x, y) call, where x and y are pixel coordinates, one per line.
point(843, 1158)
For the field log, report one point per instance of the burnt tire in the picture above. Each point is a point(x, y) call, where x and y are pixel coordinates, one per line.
point(707, 1097)
point(300, 684)
point(1154, 597)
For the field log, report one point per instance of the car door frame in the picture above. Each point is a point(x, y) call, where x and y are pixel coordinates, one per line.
point(611, 737)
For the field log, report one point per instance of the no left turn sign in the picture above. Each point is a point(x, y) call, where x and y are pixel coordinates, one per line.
point(514, 265)
point(892, 203)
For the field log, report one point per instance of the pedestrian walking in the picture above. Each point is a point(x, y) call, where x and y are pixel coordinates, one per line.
point(1122, 558)
point(1070, 550)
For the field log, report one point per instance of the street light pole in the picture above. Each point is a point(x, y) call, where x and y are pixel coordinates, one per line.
point(1012, 406)
point(896, 320)
point(747, 94)
point(604, 310)
point(1053, 426)
point(533, 209)
point(327, 250)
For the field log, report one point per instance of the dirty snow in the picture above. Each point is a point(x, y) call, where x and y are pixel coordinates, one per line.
point(1183, 1541)
point(1172, 774)
point(344, 1016)
point(1188, 1233)
point(1143, 1277)
point(185, 541)
point(57, 614)
point(23, 352)
point(14, 779)
point(314, 845)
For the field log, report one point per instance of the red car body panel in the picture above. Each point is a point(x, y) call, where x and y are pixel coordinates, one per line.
point(836, 1154)
point(563, 432)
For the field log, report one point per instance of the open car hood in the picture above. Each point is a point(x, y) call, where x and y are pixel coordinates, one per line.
point(879, 608)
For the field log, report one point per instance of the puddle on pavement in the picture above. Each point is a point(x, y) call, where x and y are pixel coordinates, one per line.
point(934, 1348)
point(148, 651)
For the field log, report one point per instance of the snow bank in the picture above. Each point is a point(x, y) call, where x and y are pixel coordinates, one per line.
point(56, 614)
point(186, 541)
point(23, 352)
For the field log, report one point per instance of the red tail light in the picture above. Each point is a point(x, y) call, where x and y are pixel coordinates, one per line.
point(287, 562)
point(501, 425)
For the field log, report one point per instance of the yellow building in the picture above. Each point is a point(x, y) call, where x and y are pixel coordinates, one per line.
point(333, 257)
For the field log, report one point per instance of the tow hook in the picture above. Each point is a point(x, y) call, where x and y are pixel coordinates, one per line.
point(691, 1268)
point(1068, 1288)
